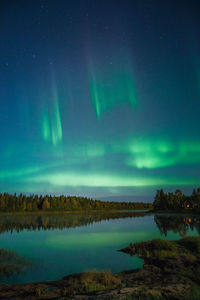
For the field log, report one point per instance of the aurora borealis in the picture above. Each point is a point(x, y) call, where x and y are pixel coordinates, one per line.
point(52, 125)
point(99, 98)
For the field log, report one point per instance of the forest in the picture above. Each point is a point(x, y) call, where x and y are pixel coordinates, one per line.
point(177, 200)
point(39, 203)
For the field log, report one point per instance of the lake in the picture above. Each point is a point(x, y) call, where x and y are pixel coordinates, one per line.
point(60, 244)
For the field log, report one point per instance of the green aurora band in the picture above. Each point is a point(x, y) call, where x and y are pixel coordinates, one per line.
point(159, 153)
point(52, 125)
point(111, 89)
point(86, 179)
point(139, 154)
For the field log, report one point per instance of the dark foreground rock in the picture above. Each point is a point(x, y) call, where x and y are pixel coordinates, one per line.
point(171, 271)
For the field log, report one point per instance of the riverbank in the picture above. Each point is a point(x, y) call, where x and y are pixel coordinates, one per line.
point(171, 271)
point(178, 211)
point(67, 212)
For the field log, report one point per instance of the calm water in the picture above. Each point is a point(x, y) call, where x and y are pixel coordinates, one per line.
point(58, 245)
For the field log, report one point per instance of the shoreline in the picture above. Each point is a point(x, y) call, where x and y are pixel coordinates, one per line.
point(73, 211)
point(151, 211)
point(171, 270)
point(183, 211)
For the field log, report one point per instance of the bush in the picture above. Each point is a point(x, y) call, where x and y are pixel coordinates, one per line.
point(191, 243)
point(190, 258)
point(157, 247)
point(159, 244)
point(38, 291)
point(161, 254)
point(194, 293)
point(93, 281)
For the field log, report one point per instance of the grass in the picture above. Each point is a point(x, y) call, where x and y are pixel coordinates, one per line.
point(156, 248)
point(161, 249)
point(193, 294)
point(192, 244)
point(143, 297)
point(93, 281)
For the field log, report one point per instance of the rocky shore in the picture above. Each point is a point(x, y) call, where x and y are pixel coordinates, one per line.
point(171, 271)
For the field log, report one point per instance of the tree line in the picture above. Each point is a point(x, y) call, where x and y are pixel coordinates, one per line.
point(177, 200)
point(34, 203)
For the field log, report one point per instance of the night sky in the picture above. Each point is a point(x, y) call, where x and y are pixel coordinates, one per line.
point(99, 98)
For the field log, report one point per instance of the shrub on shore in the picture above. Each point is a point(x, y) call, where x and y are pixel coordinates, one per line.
point(93, 281)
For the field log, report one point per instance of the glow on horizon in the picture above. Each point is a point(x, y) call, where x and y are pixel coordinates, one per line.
point(108, 180)
point(83, 165)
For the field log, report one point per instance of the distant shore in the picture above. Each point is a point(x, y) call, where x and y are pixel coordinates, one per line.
point(174, 211)
point(41, 212)
point(49, 203)
point(73, 211)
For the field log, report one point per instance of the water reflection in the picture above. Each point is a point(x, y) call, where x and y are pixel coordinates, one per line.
point(73, 243)
point(59, 221)
point(11, 262)
point(177, 223)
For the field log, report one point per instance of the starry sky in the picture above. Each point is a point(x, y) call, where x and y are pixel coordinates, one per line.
point(99, 98)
